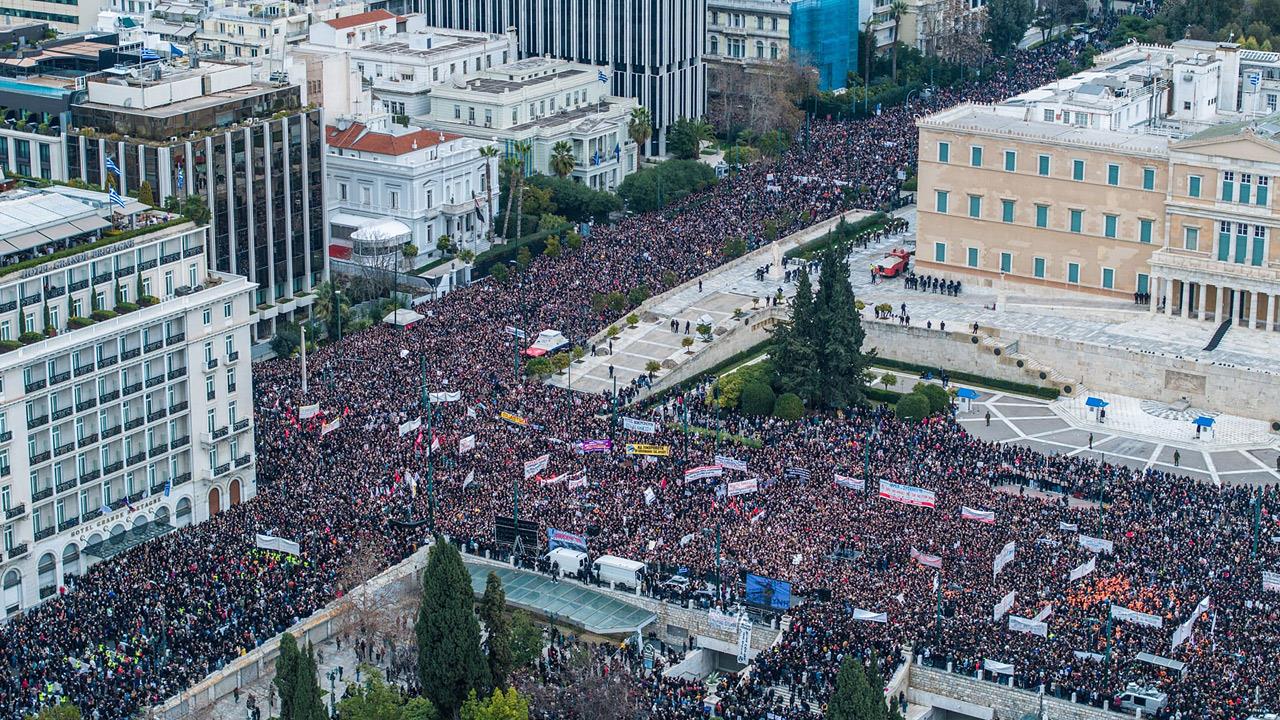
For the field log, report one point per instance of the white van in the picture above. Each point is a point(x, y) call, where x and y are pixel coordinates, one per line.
point(619, 571)
point(1147, 699)
point(571, 561)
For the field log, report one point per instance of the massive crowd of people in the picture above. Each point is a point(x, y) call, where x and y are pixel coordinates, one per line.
point(139, 628)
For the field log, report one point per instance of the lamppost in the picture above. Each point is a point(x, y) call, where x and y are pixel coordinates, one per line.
point(333, 676)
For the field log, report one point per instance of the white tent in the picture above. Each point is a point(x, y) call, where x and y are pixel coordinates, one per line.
point(402, 317)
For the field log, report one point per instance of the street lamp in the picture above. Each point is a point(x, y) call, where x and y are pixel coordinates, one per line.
point(924, 92)
point(333, 674)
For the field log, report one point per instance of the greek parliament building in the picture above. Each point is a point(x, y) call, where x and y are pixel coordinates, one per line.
point(1151, 173)
point(651, 50)
point(126, 407)
point(249, 148)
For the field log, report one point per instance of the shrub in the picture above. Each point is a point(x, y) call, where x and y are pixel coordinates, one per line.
point(102, 314)
point(757, 399)
point(633, 319)
point(539, 367)
point(616, 302)
point(652, 367)
point(686, 343)
point(913, 407)
point(938, 398)
point(29, 337)
point(788, 406)
point(125, 307)
point(732, 384)
point(9, 345)
point(638, 294)
point(148, 300)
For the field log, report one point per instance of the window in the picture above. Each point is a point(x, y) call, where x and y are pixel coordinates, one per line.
point(1073, 273)
point(1108, 278)
point(1242, 239)
point(1077, 170)
point(1109, 223)
point(1038, 267)
point(940, 201)
point(975, 206)
point(972, 259)
point(940, 252)
point(457, 112)
point(1010, 160)
point(1228, 185)
point(207, 316)
point(975, 156)
point(393, 199)
point(944, 152)
point(1264, 184)
point(1048, 115)
point(1224, 241)
point(1193, 186)
point(1042, 216)
point(1006, 211)
point(1044, 165)
point(1259, 245)
point(1077, 220)
point(1006, 262)
point(1190, 238)
point(211, 419)
point(1245, 190)
point(1144, 230)
point(226, 309)
point(1144, 282)
point(1113, 174)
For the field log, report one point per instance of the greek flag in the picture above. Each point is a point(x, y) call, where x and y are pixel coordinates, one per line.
point(182, 178)
point(112, 167)
point(168, 487)
point(149, 54)
point(602, 77)
point(115, 198)
point(175, 51)
point(617, 151)
point(105, 509)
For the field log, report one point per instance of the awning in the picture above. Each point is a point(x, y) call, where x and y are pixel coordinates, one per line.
point(594, 611)
point(127, 22)
point(89, 224)
point(128, 540)
point(61, 231)
point(351, 221)
point(967, 394)
point(1163, 662)
point(26, 241)
point(402, 317)
point(1203, 421)
point(1094, 402)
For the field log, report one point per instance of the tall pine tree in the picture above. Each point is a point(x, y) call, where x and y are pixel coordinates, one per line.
point(493, 606)
point(308, 703)
point(838, 334)
point(848, 702)
point(795, 356)
point(450, 662)
point(286, 673)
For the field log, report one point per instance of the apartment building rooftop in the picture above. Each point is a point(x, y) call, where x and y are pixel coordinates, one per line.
point(398, 140)
point(41, 222)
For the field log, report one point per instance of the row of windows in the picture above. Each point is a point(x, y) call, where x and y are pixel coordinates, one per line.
point(1244, 188)
point(1071, 271)
point(38, 15)
point(737, 48)
point(1075, 217)
point(1044, 165)
point(738, 20)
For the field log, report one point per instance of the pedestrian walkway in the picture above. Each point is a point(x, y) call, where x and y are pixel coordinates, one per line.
point(328, 659)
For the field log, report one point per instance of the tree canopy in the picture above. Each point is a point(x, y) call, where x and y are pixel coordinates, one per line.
point(653, 188)
point(450, 661)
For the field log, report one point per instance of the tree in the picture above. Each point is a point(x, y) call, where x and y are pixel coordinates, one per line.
point(62, 711)
point(574, 239)
point(499, 273)
point(287, 339)
point(773, 143)
point(685, 138)
point(868, 49)
point(849, 701)
point(1057, 12)
point(523, 257)
point(493, 608)
point(330, 305)
point(687, 343)
point(376, 700)
point(450, 662)
point(888, 380)
point(307, 701)
point(146, 195)
point(912, 407)
point(757, 400)
point(795, 351)
point(788, 406)
point(489, 152)
point(638, 294)
point(938, 398)
point(508, 705)
point(668, 182)
point(652, 367)
point(552, 247)
point(410, 251)
point(639, 127)
point(526, 640)
point(522, 148)
point(734, 248)
point(897, 9)
point(838, 334)
point(195, 208)
point(616, 302)
point(444, 244)
point(1007, 22)
point(512, 167)
point(562, 159)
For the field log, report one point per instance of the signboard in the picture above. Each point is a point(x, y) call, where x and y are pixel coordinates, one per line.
point(1004, 558)
point(1094, 544)
point(1270, 581)
point(279, 544)
point(593, 446)
point(642, 449)
point(410, 426)
point(1083, 570)
point(329, 427)
point(1120, 612)
point(444, 397)
point(644, 426)
point(1026, 625)
point(767, 592)
point(743, 487)
point(731, 463)
point(517, 332)
point(933, 561)
point(982, 516)
point(1004, 606)
point(306, 412)
point(536, 465)
point(907, 494)
point(703, 472)
point(514, 419)
point(721, 621)
point(744, 639)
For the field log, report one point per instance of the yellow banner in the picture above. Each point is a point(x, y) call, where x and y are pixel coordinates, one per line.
point(642, 449)
point(514, 419)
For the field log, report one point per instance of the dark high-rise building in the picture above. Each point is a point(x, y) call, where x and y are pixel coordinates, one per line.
point(652, 49)
point(248, 148)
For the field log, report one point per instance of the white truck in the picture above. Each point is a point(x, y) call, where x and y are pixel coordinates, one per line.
point(615, 570)
point(570, 561)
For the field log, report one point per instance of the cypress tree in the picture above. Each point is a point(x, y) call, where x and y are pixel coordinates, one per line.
point(307, 701)
point(286, 674)
point(450, 662)
point(839, 335)
point(795, 356)
point(493, 606)
point(849, 701)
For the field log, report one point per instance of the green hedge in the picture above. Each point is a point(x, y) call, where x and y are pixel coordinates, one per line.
point(882, 395)
point(822, 242)
point(101, 242)
point(1048, 393)
point(733, 361)
point(506, 253)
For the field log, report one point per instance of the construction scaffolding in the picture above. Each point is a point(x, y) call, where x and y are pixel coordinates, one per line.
point(824, 34)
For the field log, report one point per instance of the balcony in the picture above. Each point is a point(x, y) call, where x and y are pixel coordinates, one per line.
point(101, 278)
point(91, 514)
point(170, 257)
point(159, 450)
point(1177, 262)
point(67, 524)
point(35, 385)
point(175, 338)
point(113, 467)
point(6, 436)
point(79, 285)
point(231, 387)
point(222, 469)
point(54, 292)
point(178, 407)
point(153, 346)
point(221, 432)
point(86, 404)
point(16, 511)
point(192, 252)
point(30, 300)
point(42, 494)
point(107, 362)
point(90, 475)
point(64, 449)
point(124, 272)
point(41, 457)
point(137, 458)
point(66, 485)
point(9, 306)
point(108, 396)
point(131, 353)
point(132, 423)
point(132, 388)
point(136, 496)
point(241, 424)
point(177, 373)
point(245, 460)
point(60, 377)
point(61, 413)
point(182, 478)
point(152, 417)
point(180, 442)
point(147, 264)
point(233, 356)
point(18, 551)
point(38, 421)
point(4, 470)
point(88, 440)
point(210, 395)
point(43, 533)
point(82, 370)
point(211, 364)
point(154, 381)
point(157, 489)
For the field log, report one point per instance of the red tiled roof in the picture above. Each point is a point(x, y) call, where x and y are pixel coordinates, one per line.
point(360, 19)
point(358, 137)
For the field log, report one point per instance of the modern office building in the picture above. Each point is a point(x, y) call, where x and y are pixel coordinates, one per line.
point(250, 149)
point(125, 391)
point(650, 51)
point(544, 101)
point(1142, 175)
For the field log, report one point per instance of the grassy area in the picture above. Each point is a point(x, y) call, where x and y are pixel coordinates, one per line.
point(1047, 393)
point(724, 436)
point(433, 264)
point(732, 363)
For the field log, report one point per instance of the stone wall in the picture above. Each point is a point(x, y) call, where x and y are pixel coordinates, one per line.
point(1007, 703)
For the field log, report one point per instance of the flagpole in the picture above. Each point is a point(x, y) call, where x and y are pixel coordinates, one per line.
point(304, 361)
point(431, 486)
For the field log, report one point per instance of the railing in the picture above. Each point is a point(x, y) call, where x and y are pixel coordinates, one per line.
point(131, 353)
point(62, 412)
point(178, 407)
point(89, 439)
point(231, 387)
point(60, 377)
point(86, 404)
point(35, 385)
point(157, 415)
point(154, 381)
point(124, 272)
point(241, 424)
point(15, 512)
point(90, 514)
point(222, 469)
point(245, 460)
point(153, 346)
point(90, 475)
point(159, 450)
point(9, 306)
point(102, 277)
point(107, 362)
point(30, 300)
point(233, 356)
point(180, 442)
point(137, 458)
point(64, 449)
point(6, 436)
point(211, 364)
point(147, 264)
point(85, 369)
point(54, 292)
point(1182, 259)
point(79, 285)
point(66, 485)
point(43, 533)
point(67, 524)
point(176, 373)
point(42, 494)
point(113, 467)
point(132, 388)
point(41, 457)
point(38, 421)
point(108, 396)
point(170, 257)
point(175, 338)
point(184, 477)
point(192, 252)
point(221, 432)
point(134, 422)
point(18, 551)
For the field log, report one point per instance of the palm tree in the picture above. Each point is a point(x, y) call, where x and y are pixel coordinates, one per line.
point(522, 149)
point(896, 11)
point(562, 160)
point(869, 39)
point(489, 152)
point(510, 168)
point(640, 127)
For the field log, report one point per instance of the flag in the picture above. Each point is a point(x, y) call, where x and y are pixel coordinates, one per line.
point(479, 213)
point(471, 477)
point(182, 178)
point(115, 198)
point(602, 77)
point(105, 509)
point(149, 54)
point(168, 487)
point(933, 561)
point(617, 151)
point(112, 167)
point(175, 51)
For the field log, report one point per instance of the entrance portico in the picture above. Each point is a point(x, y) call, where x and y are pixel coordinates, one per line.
point(1190, 286)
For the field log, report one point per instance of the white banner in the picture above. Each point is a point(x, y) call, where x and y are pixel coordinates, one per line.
point(467, 444)
point(1124, 614)
point(744, 639)
point(644, 426)
point(279, 544)
point(306, 412)
point(982, 516)
point(410, 426)
point(1270, 581)
point(1082, 570)
point(443, 397)
point(1184, 630)
point(1087, 655)
point(868, 616)
point(329, 427)
point(471, 477)
point(1094, 544)
point(1004, 606)
point(1025, 625)
point(853, 483)
point(703, 472)
point(997, 667)
point(907, 494)
point(1069, 527)
point(649, 496)
point(933, 561)
point(536, 465)
point(579, 480)
point(1004, 558)
point(731, 463)
point(743, 487)
point(721, 621)
point(1043, 614)
point(555, 480)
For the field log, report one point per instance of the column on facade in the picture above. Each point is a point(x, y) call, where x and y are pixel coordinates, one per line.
point(1153, 288)
point(1184, 307)
point(1219, 301)
point(1204, 295)
point(1256, 323)
point(1238, 306)
point(1272, 323)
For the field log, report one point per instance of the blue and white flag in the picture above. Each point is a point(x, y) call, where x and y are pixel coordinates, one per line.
point(149, 54)
point(602, 77)
point(175, 51)
point(617, 151)
point(105, 509)
point(182, 178)
point(115, 198)
point(112, 167)
point(168, 487)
